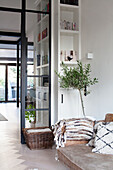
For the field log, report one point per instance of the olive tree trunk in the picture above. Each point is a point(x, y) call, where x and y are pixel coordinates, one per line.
point(82, 103)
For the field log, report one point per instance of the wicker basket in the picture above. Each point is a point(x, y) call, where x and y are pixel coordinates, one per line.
point(38, 140)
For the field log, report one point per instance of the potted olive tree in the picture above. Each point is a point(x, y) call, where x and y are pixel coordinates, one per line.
point(77, 78)
point(30, 115)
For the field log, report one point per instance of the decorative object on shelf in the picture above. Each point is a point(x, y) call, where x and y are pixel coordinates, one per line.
point(30, 115)
point(44, 33)
point(68, 56)
point(45, 96)
point(70, 2)
point(38, 60)
point(39, 37)
point(46, 9)
point(45, 81)
point(68, 25)
point(39, 95)
point(45, 59)
point(61, 55)
point(62, 1)
point(74, 26)
point(77, 78)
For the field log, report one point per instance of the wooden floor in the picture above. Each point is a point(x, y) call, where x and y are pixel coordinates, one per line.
point(13, 155)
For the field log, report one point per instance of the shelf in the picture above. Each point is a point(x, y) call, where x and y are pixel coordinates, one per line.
point(43, 66)
point(68, 32)
point(69, 62)
point(44, 19)
point(43, 40)
point(68, 7)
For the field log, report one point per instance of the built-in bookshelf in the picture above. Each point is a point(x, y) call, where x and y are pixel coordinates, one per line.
point(69, 31)
point(69, 49)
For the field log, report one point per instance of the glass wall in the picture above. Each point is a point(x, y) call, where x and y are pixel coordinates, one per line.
point(38, 89)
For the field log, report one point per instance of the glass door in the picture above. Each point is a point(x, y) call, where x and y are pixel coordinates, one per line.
point(2, 82)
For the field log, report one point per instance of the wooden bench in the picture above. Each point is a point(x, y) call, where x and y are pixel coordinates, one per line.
point(80, 157)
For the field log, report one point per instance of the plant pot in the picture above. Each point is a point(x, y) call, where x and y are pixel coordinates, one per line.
point(32, 124)
point(29, 125)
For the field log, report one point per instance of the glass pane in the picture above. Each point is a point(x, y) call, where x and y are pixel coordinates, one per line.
point(8, 46)
point(8, 53)
point(12, 83)
point(19, 82)
point(39, 55)
point(10, 4)
point(30, 60)
point(2, 83)
point(38, 92)
point(36, 118)
point(10, 21)
point(38, 5)
point(30, 69)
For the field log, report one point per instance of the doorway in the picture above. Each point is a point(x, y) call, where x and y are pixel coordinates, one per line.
point(2, 82)
point(8, 82)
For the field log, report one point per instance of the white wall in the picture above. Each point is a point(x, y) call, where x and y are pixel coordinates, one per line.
point(54, 63)
point(97, 37)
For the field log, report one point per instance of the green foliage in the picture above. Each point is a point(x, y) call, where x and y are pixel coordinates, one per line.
point(76, 77)
point(13, 70)
point(30, 114)
point(2, 83)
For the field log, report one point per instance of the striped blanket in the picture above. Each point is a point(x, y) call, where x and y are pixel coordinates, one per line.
point(73, 129)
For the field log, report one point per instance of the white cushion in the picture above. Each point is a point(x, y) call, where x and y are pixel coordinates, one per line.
point(80, 129)
point(38, 130)
point(92, 140)
point(104, 138)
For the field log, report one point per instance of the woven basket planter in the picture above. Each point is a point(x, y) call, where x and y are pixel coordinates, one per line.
point(38, 140)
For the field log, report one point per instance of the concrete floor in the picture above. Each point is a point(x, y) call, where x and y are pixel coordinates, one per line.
point(13, 155)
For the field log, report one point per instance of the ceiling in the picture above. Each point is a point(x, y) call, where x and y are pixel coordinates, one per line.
point(11, 22)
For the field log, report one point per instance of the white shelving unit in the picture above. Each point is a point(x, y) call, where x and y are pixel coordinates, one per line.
point(69, 38)
point(41, 40)
point(44, 40)
point(68, 32)
point(69, 63)
point(44, 19)
point(68, 7)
